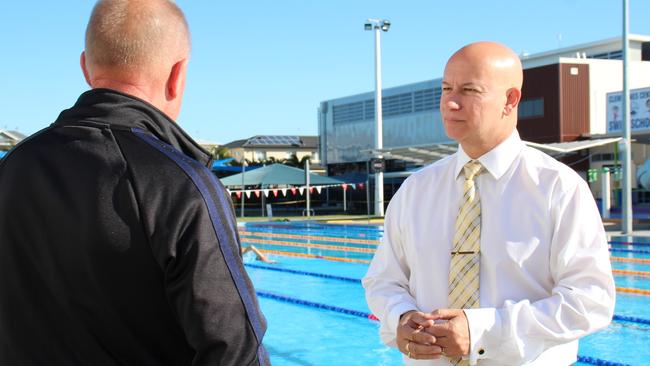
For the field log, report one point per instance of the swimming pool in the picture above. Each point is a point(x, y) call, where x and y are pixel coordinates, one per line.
point(316, 310)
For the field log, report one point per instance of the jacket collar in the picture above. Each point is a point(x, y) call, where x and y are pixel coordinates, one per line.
point(119, 110)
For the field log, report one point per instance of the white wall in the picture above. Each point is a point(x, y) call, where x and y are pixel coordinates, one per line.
point(606, 76)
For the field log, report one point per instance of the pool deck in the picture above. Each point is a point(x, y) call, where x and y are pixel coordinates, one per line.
point(613, 228)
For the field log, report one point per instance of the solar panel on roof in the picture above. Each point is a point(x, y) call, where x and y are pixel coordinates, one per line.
point(274, 140)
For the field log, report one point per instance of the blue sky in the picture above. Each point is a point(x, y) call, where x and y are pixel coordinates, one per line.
point(262, 67)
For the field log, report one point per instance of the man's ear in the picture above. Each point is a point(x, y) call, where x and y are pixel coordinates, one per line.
point(513, 96)
point(176, 80)
point(84, 68)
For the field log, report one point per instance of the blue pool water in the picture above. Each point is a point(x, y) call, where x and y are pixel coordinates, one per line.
point(306, 335)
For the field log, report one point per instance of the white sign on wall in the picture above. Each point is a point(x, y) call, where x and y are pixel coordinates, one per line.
point(639, 110)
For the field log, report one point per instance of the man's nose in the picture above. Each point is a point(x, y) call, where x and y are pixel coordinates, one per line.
point(452, 104)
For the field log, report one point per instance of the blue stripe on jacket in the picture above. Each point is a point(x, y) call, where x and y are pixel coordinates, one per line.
point(226, 236)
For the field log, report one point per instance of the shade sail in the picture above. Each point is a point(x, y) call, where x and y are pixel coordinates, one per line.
point(277, 175)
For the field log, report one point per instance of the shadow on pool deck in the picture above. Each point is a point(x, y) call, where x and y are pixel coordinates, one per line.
point(640, 227)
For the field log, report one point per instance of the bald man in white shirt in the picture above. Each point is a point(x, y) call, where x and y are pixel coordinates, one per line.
point(543, 276)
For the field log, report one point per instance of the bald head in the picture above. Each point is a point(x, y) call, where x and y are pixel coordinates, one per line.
point(494, 58)
point(136, 34)
point(481, 91)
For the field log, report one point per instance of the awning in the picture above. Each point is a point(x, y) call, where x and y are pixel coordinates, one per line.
point(419, 154)
point(425, 154)
point(573, 146)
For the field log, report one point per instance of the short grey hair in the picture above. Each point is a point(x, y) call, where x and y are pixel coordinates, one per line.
point(133, 33)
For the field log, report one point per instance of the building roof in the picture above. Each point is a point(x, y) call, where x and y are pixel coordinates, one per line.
point(585, 47)
point(275, 141)
point(609, 48)
point(235, 144)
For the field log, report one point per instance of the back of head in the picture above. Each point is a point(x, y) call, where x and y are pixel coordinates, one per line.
point(136, 35)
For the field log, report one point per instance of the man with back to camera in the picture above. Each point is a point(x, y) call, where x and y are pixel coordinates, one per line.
point(118, 246)
point(497, 253)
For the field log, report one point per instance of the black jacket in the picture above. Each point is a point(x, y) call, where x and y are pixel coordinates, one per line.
point(119, 247)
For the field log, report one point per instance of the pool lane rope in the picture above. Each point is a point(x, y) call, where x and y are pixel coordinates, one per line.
point(314, 256)
point(637, 291)
point(619, 318)
point(626, 272)
point(364, 315)
point(620, 250)
point(599, 362)
point(630, 260)
point(304, 273)
point(309, 237)
point(632, 243)
point(628, 290)
point(306, 245)
point(253, 237)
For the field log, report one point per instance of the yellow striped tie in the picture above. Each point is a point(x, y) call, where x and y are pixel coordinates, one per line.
point(465, 255)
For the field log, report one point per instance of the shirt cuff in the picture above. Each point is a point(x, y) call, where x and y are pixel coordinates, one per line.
point(482, 322)
point(393, 316)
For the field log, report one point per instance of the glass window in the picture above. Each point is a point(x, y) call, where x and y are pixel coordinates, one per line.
point(531, 108)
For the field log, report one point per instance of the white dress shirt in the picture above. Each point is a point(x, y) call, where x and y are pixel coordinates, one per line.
point(545, 275)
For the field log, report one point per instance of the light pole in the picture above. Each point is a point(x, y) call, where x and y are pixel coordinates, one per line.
point(626, 191)
point(243, 187)
point(378, 25)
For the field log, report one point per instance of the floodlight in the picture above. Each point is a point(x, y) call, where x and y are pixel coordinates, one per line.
point(384, 25)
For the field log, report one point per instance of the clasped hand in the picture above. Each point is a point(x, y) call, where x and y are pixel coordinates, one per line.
point(427, 336)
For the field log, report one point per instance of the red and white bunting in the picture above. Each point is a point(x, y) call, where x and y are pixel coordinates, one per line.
point(294, 190)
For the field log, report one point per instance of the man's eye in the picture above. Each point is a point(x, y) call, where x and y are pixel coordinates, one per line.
point(446, 88)
point(471, 90)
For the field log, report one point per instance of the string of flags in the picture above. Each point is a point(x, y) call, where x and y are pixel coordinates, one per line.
point(275, 192)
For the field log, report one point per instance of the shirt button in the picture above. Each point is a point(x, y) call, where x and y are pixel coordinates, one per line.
point(481, 351)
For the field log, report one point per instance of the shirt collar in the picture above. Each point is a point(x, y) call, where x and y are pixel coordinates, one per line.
point(496, 161)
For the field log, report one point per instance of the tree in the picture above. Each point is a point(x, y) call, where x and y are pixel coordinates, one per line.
point(292, 160)
point(220, 152)
point(303, 160)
